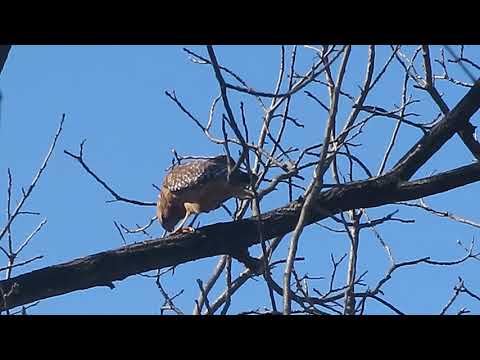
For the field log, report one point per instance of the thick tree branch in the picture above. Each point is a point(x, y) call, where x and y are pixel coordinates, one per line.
point(430, 143)
point(103, 268)
point(466, 133)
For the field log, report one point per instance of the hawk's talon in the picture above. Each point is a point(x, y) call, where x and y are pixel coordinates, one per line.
point(184, 230)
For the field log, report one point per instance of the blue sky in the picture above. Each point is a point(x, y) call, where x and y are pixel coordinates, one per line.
point(113, 96)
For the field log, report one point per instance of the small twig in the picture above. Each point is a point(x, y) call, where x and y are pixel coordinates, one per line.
point(238, 78)
point(169, 305)
point(117, 197)
point(456, 291)
point(28, 192)
point(353, 232)
point(334, 271)
point(396, 129)
point(244, 122)
point(9, 215)
point(205, 297)
point(228, 272)
point(21, 263)
point(464, 68)
point(205, 290)
point(379, 237)
point(28, 213)
point(312, 189)
point(475, 296)
point(29, 237)
point(140, 228)
point(424, 206)
point(389, 217)
point(120, 232)
point(244, 276)
point(382, 301)
point(23, 310)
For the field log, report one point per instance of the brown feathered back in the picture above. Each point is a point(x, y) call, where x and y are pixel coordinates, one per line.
point(198, 186)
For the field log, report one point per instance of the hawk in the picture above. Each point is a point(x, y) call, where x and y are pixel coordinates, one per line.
point(199, 186)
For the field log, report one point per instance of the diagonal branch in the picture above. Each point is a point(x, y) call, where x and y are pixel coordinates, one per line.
point(430, 143)
point(31, 187)
point(103, 268)
point(312, 190)
point(117, 197)
point(466, 133)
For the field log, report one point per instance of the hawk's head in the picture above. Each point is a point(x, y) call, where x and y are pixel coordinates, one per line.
point(168, 212)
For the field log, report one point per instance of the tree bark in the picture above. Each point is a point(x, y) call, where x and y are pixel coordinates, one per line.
point(223, 238)
point(233, 238)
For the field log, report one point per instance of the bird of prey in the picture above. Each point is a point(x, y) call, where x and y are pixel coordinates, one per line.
point(199, 186)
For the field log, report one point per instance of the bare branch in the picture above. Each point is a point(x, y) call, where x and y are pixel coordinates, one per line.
point(27, 194)
point(456, 291)
point(22, 263)
point(168, 305)
point(30, 237)
point(312, 189)
point(216, 274)
point(117, 197)
point(424, 206)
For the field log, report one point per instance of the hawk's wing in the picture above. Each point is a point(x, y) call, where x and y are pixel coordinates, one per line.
point(196, 173)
